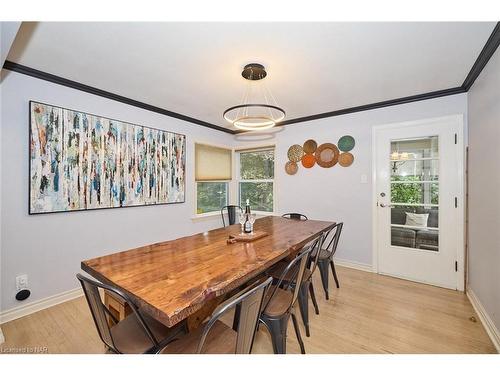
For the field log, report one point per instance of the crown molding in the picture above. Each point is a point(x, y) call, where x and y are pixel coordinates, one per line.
point(488, 50)
point(367, 107)
point(18, 68)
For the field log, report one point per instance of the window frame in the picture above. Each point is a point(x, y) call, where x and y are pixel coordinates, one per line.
point(211, 213)
point(238, 179)
point(229, 183)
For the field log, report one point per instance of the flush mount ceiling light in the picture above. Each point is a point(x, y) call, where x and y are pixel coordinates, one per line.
point(250, 115)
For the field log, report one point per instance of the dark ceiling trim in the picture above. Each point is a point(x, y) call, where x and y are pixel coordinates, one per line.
point(488, 50)
point(18, 68)
point(386, 103)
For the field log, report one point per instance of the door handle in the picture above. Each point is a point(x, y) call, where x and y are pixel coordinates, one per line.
point(385, 205)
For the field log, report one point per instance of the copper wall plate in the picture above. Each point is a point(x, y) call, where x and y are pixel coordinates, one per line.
point(295, 153)
point(308, 160)
point(291, 168)
point(310, 146)
point(346, 159)
point(327, 155)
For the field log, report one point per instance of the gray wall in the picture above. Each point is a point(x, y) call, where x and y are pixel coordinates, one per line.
point(49, 247)
point(337, 194)
point(484, 188)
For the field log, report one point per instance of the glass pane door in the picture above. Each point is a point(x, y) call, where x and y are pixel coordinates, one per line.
point(414, 194)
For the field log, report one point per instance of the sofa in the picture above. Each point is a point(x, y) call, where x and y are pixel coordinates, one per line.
point(415, 238)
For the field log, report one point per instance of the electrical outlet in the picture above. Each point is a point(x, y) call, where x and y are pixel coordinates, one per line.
point(21, 282)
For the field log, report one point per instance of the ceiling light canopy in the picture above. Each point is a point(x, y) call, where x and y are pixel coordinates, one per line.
point(258, 109)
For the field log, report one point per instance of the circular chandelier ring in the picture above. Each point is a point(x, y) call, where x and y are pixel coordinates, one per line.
point(242, 126)
point(281, 117)
point(263, 124)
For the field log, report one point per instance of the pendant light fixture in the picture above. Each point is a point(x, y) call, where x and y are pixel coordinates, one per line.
point(258, 109)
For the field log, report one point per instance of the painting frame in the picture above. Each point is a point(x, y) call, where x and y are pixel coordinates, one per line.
point(31, 103)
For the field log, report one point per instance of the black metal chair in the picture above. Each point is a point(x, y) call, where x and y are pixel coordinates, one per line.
point(294, 216)
point(215, 337)
point(326, 256)
point(306, 287)
point(232, 212)
point(280, 301)
point(137, 333)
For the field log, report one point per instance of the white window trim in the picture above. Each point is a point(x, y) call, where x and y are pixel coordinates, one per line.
point(234, 183)
point(237, 180)
point(205, 216)
point(230, 188)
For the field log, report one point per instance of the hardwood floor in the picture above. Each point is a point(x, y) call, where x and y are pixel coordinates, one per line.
point(369, 314)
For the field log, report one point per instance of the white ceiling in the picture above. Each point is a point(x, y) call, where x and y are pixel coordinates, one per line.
point(194, 68)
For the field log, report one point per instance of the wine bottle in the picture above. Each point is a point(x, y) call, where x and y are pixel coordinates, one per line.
point(247, 227)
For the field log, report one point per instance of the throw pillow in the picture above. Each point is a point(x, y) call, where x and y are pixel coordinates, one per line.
point(416, 220)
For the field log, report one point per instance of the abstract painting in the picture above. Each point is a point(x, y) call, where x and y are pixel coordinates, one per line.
point(80, 161)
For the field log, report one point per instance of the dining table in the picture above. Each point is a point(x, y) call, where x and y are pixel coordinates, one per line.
point(176, 279)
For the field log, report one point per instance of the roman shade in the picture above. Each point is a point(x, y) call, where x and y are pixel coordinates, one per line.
point(212, 163)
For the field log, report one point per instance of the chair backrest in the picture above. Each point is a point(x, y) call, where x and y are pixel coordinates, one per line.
point(294, 216)
point(315, 252)
point(101, 314)
point(250, 302)
point(292, 275)
point(333, 237)
point(231, 214)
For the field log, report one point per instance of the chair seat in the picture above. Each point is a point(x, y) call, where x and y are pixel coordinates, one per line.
point(324, 254)
point(130, 338)
point(277, 270)
point(280, 302)
point(220, 340)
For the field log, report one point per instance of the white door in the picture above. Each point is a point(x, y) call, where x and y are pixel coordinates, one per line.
point(419, 201)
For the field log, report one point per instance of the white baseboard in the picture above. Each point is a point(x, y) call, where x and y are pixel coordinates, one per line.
point(352, 264)
point(488, 324)
point(30, 308)
point(2, 339)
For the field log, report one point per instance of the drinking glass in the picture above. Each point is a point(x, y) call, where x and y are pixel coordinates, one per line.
point(252, 220)
point(241, 219)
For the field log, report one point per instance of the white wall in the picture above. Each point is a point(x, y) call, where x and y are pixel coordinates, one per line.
point(8, 31)
point(49, 247)
point(484, 189)
point(337, 194)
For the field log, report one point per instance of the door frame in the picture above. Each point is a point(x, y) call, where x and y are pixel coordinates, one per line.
point(461, 146)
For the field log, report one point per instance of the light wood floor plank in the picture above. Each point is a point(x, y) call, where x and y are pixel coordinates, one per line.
point(370, 313)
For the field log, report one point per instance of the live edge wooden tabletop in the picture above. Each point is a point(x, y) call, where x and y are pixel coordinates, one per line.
point(173, 279)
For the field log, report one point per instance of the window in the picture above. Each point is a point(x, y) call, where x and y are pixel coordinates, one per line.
point(415, 193)
point(212, 174)
point(211, 196)
point(256, 179)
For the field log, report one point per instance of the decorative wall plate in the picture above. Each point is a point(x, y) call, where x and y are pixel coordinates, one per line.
point(310, 146)
point(346, 159)
point(346, 143)
point(291, 167)
point(308, 160)
point(295, 153)
point(327, 155)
